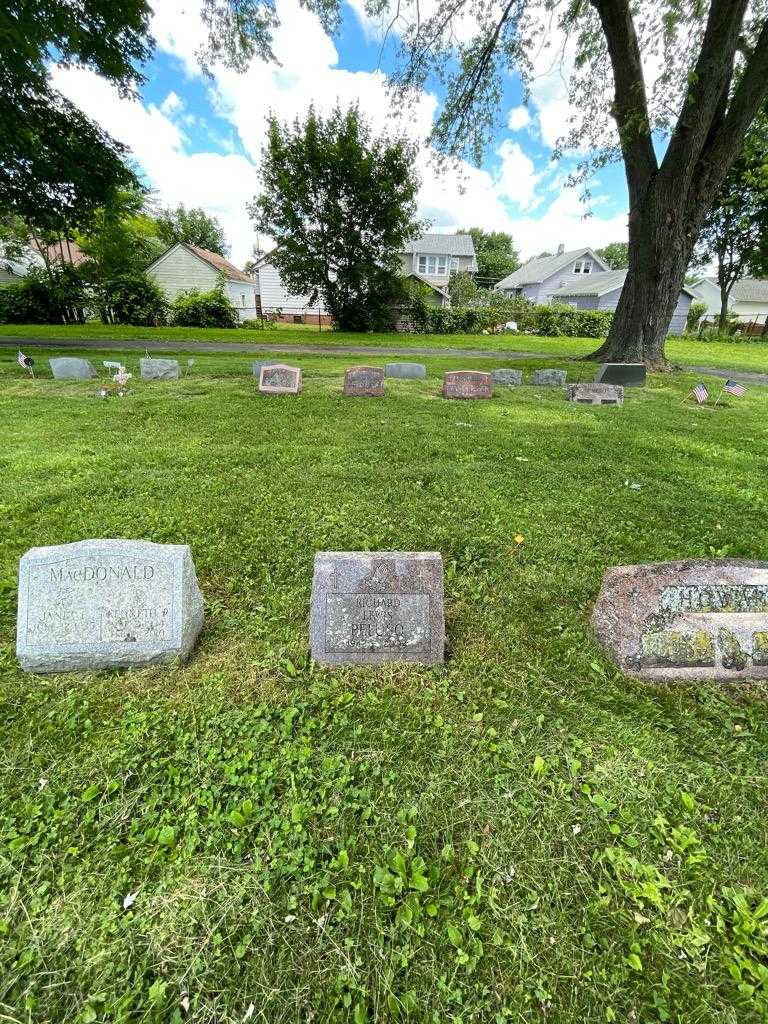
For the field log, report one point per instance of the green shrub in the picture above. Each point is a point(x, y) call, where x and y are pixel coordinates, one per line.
point(567, 322)
point(45, 297)
point(133, 299)
point(695, 313)
point(204, 309)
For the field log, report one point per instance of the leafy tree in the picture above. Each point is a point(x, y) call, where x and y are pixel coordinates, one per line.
point(462, 289)
point(735, 232)
point(193, 226)
point(340, 206)
point(696, 311)
point(496, 255)
point(122, 238)
point(132, 298)
point(615, 255)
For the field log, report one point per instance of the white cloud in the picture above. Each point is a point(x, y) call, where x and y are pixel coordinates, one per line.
point(517, 179)
point(518, 118)
point(171, 104)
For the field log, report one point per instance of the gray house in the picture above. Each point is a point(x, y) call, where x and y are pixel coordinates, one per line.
point(603, 290)
point(434, 258)
point(538, 279)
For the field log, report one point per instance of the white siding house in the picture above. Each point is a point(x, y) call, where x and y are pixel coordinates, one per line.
point(184, 266)
point(748, 299)
point(276, 299)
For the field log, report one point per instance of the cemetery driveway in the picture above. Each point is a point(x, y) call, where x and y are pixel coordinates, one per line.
point(249, 348)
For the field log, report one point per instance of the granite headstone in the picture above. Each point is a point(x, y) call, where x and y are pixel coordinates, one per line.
point(596, 394)
point(159, 369)
point(71, 368)
point(98, 604)
point(364, 381)
point(280, 379)
point(407, 371)
point(375, 607)
point(467, 384)
point(698, 619)
point(507, 378)
point(549, 378)
point(630, 375)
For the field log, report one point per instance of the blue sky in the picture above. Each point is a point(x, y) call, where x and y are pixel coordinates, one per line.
point(197, 140)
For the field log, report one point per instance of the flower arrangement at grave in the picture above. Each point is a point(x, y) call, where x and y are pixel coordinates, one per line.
point(121, 378)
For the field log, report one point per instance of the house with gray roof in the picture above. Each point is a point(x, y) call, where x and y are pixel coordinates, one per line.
point(603, 291)
point(539, 278)
point(748, 299)
point(434, 258)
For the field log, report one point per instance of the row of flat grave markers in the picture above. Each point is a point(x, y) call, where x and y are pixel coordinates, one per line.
point(75, 368)
point(102, 604)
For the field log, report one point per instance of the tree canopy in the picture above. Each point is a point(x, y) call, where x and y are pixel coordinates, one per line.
point(340, 206)
point(495, 252)
point(193, 226)
point(615, 255)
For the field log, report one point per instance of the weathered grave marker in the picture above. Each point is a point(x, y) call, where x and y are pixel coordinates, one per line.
point(374, 607)
point(159, 369)
point(106, 604)
point(280, 379)
point(699, 619)
point(71, 368)
point(596, 394)
point(631, 375)
point(549, 378)
point(407, 371)
point(467, 384)
point(507, 378)
point(364, 381)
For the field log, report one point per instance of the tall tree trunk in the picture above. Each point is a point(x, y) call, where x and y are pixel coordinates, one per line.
point(723, 321)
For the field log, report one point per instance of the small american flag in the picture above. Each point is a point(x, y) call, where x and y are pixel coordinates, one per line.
point(25, 362)
point(700, 393)
point(734, 388)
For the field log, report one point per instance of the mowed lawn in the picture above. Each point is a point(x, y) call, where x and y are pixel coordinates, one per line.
point(738, 355)
point(522, 835)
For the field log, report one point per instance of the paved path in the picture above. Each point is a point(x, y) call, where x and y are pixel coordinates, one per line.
point(251, 348)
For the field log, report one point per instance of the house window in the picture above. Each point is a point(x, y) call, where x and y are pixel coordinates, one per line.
point(432, 266)
point(454, 264)
point(242, 299)
point(582, 267)
point(298, 318)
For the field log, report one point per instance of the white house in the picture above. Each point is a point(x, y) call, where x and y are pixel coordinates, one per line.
point(748, 299)
point(435, 258)
point(602, 291)
point(276, 300)
point(538, 279)
point(184, 266)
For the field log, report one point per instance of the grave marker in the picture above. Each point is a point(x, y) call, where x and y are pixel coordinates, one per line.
point(507, 378)
point(364, 381)
point(596, 394)
point(71, 368)
point(631, 375)
point(406, 371)
point(280, 379)
point(467, 384)
point(101, 604)
point(549, 378)
point(698, 619)
point(159, 369)
point(374, 607)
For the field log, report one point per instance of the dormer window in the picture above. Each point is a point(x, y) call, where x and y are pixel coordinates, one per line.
point(432, 266)
point(582, 267)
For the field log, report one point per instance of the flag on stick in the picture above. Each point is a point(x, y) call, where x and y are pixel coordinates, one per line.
point(734, 388)
point(700, 393)
point(26, 363)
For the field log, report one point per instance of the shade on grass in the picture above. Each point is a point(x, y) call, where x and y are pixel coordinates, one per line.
point(523, 835)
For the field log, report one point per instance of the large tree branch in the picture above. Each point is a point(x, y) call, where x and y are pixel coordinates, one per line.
point(630, 107)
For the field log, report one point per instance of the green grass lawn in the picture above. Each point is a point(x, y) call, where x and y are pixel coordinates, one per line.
point(743, 355)
point(522, 835)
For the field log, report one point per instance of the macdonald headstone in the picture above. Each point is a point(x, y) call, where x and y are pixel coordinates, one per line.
point(507, 378)
point(549, 378)
point(374, 607)
point(407, 371)
point(71, 368)
point(631, 375)
point(364, 381)
point(101, 604)
point(279, 379)
point(698, 619)
point(596, 394)
point(159, 369)
point(257, 364)
point(467, 384)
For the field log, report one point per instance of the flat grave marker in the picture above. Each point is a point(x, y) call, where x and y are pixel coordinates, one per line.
point(71, 368)
point(369, 608)
point(596, 394)
point(507, 378)
point(280, 379)
point(159, 369)
point(467, 384)
point(364, 382)
point(549, 378)
point(98, 604)
point(697, 619)
point(631, 375)
point(406, 371)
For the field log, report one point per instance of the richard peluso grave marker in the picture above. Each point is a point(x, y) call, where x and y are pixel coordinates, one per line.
point(467, 384)
point(364, 382)
point(279, 379)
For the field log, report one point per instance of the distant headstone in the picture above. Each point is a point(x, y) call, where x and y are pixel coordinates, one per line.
point(596, 394)
point(408, 371)
point(549, 378)
point(507, 378)
point(71, 368)
point(699, 619)
point(257, 364)
point(106, 604)
point(631, 375)
point(467, 384)
point(279, 379)
point(374, 607)
point(364, 381)
point(159, 369)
